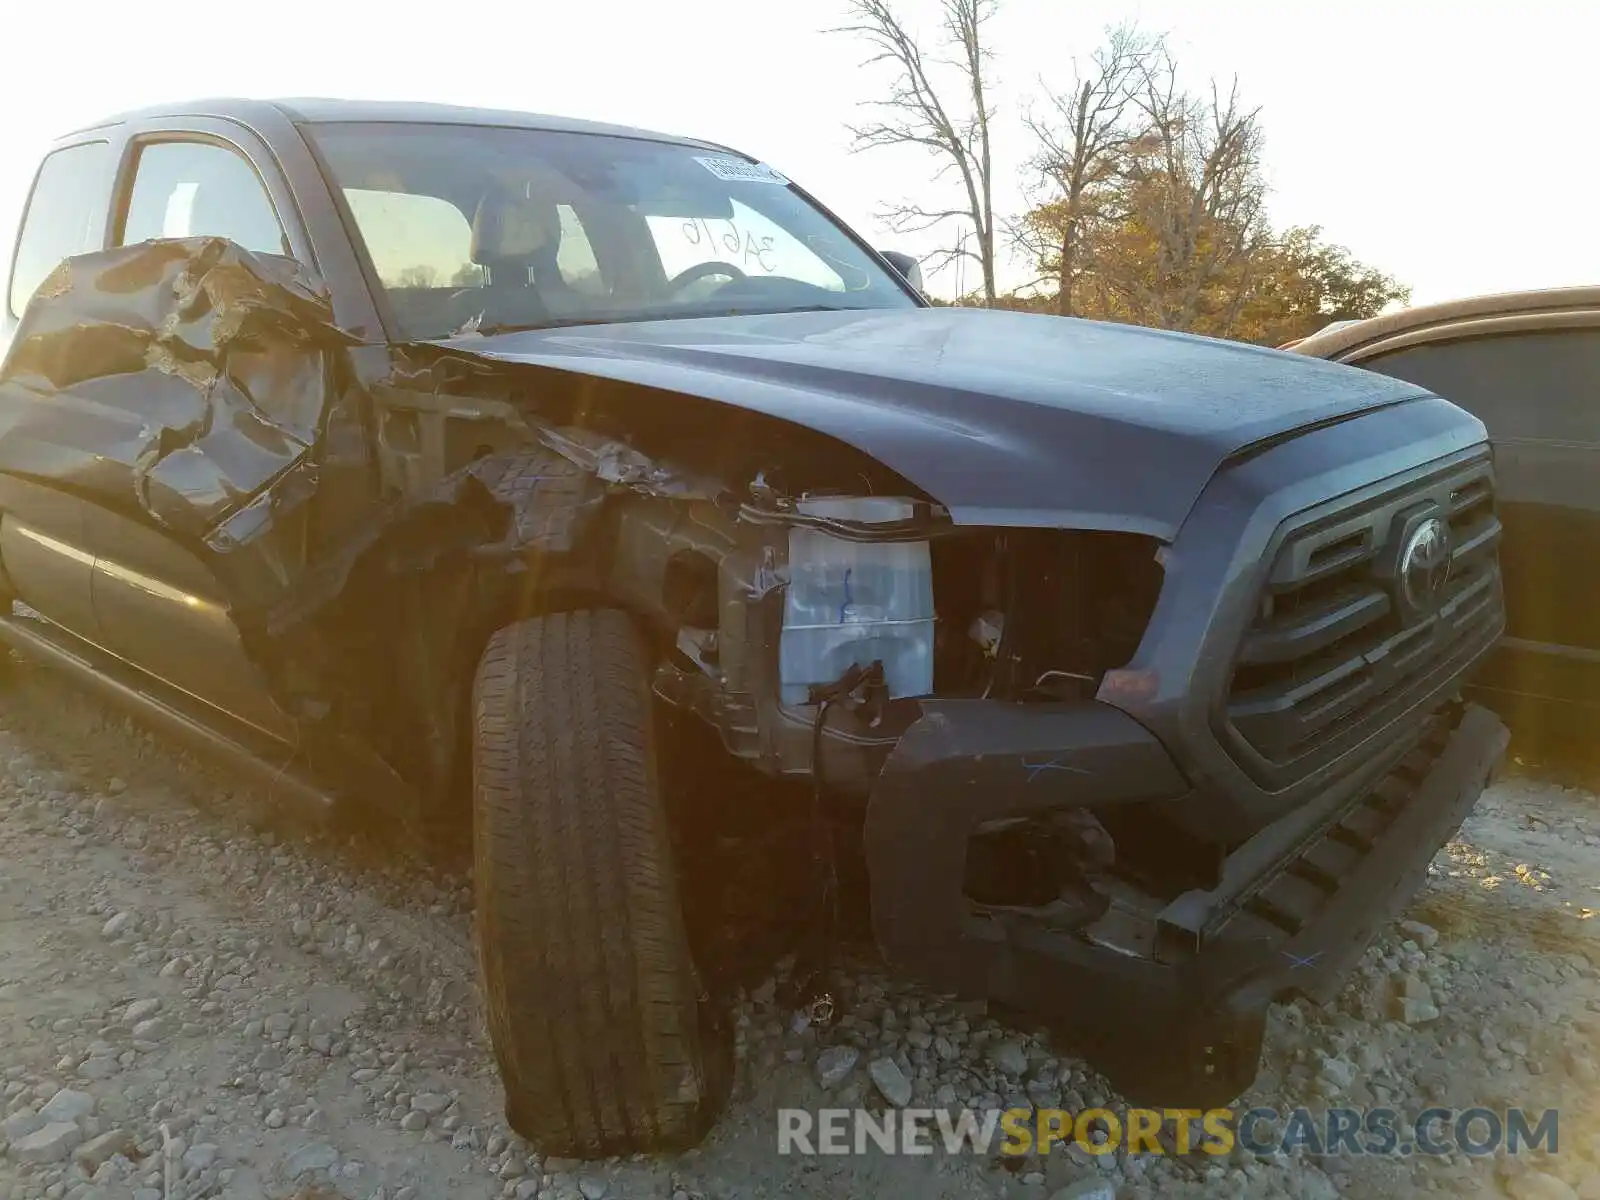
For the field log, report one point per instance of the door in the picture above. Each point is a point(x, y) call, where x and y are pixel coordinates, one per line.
point(157, 602)
point(42, 530)
point(1538, 392)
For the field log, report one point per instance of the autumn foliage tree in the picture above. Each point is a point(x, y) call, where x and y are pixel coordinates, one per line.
point(1146, 200)
point(1303, 283)
point(1148, 206)
point(1084, 145)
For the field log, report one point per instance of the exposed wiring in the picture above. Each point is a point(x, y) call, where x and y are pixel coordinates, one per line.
point(814, 973)
point(914, 530)
point(1064, 675)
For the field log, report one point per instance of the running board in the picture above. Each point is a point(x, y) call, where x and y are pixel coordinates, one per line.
point(199, 726)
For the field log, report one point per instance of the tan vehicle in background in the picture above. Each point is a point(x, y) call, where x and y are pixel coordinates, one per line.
point(1528, 365)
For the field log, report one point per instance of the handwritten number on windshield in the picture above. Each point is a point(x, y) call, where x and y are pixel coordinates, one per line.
point(744, 247)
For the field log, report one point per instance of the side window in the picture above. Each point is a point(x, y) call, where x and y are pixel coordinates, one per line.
point(1537, 386)
point(66, 216)
point(196, 189)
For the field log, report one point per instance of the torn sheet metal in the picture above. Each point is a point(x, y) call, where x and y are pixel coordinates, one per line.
point(178, 377)
point(501, 506)
point(619, 463)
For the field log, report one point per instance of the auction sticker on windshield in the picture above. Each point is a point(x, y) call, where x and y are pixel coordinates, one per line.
point(737, 170)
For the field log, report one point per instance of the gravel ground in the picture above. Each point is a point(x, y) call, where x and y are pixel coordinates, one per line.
point(197, 1000)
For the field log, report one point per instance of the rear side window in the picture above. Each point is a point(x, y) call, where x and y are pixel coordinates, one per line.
point(66, 216)
point(198, 189)
point(1530, 386)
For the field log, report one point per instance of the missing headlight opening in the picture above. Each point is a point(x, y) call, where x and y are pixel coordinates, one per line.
point(778, 596)
point(1039, 615)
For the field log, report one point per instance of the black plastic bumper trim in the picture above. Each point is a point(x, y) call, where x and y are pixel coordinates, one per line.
point(1180, 1034)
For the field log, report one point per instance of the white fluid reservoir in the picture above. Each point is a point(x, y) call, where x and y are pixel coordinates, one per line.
point(853, 603)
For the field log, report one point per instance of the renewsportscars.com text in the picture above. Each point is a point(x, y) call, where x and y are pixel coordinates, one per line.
point(1022, 1131)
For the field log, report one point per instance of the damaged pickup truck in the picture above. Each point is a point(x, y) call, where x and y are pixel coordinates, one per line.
point(410, 454)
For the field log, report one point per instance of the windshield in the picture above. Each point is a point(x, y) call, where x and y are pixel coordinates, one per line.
point(485, 228)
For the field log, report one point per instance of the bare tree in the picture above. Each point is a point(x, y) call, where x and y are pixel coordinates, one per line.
point(955, 130)
point(1083, 143)
point(1197, 190)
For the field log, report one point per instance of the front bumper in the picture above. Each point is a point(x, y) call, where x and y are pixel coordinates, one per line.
point(1179, 1024)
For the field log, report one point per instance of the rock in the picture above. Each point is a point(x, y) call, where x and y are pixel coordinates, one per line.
point(314, 1156)
point(49, 1144)
point(1338, 1072)
point(21, 1124)
point(431, 1103)
point(117, 925)
point(1314, 1185)
point(141, 1010)
point(198, 1157)
point(1009, 1057)
point(592, 1188)
point(1425, 936)
point(891, 1081)
point(67, 1106)
point(414, 1121)
point(1415, 1011)
point(1412, 988)
point(835, 1064)
point(107, 1146)
point(276, 1119)
point(1043, 1095)
point(98, 1066)
point(1088, 1189)
point(149, 1031)
point(1536, 1185)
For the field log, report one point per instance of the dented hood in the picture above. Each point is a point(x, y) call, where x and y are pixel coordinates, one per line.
point(1005, 418)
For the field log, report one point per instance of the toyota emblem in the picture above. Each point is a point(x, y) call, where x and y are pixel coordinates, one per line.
point(1425, 565)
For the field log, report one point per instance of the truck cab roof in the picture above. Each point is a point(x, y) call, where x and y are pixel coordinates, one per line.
point(321, 110)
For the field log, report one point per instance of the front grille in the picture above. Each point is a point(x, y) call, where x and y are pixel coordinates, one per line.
point(1336, 648)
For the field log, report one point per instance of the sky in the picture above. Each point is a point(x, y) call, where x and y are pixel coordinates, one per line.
point(1393, 125)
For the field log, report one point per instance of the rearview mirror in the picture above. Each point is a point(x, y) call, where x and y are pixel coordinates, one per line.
point(906, 265)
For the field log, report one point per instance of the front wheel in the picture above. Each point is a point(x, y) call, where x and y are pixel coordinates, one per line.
point(605, 1039)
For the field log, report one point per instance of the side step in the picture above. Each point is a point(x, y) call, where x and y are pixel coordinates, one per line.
point(204, 729)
